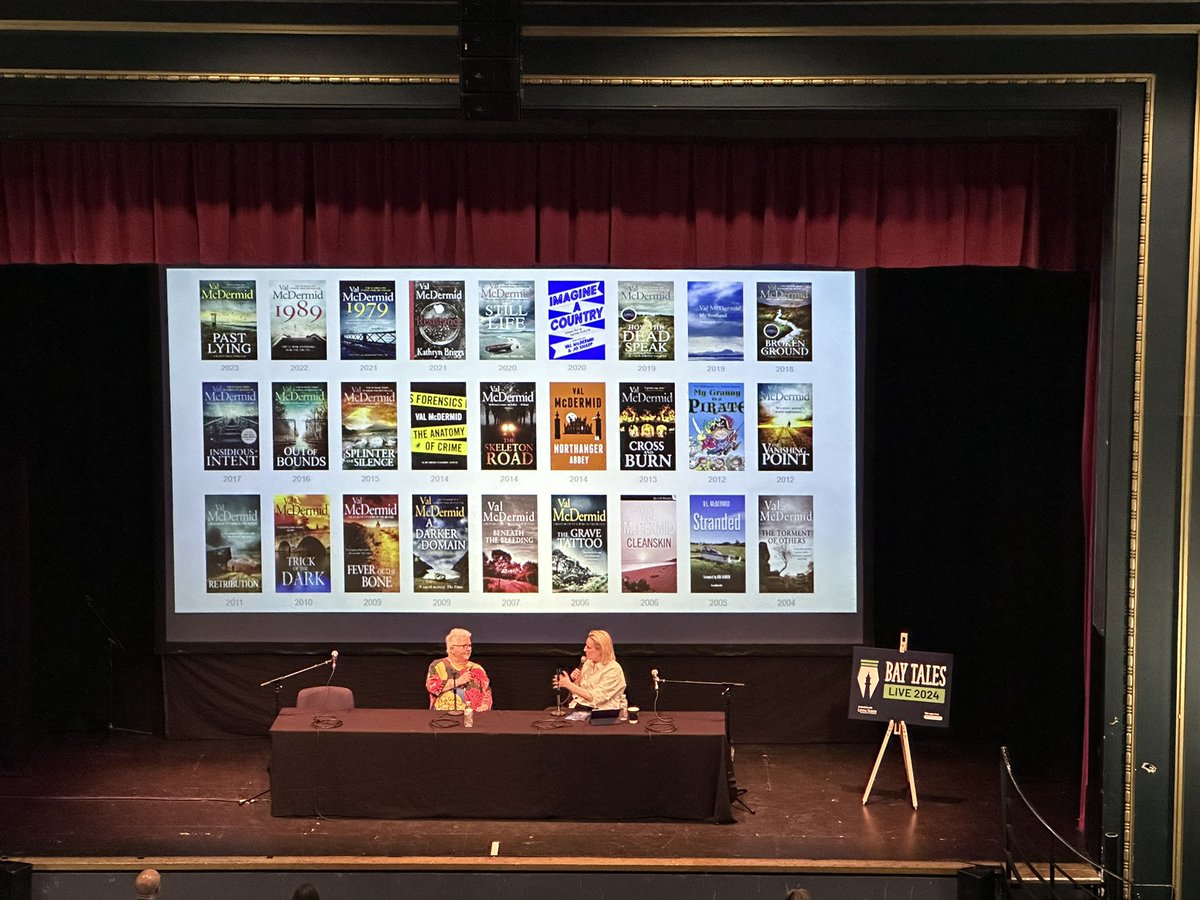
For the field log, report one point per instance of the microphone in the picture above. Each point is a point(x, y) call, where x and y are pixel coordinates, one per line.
point(451, 689)
point(654, 675)
point(333, 663)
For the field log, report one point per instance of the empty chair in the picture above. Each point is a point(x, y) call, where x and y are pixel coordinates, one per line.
point(325, 697)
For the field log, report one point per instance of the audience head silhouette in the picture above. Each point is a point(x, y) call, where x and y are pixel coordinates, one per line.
point(147, 883)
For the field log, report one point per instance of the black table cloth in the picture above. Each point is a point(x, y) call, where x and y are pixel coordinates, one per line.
point(391, 763)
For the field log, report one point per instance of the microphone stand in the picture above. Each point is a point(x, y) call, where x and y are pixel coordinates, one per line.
point(279, 680)
point(735, 792)
point(111, 646)
point(448, 688)
point(558, 712)
point(457, 711)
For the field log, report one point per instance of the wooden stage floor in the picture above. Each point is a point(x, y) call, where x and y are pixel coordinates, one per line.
point(119, 796)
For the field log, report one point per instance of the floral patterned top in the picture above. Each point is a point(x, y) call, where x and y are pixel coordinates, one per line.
point(477, 693)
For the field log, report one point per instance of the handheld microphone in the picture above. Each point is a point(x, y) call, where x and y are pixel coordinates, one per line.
point(654, 675)
point(333, 663)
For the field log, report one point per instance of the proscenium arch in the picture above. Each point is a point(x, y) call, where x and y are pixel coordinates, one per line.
point(993, 82)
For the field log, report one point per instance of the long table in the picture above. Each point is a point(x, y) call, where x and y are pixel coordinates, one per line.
point(393, 763)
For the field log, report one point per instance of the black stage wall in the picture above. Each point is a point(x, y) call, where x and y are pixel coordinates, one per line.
point(976, 384)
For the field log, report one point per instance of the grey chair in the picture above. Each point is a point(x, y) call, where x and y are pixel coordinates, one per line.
point(325, 698)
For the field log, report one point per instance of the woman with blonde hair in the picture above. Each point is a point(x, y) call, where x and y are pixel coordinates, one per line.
point(599, 682)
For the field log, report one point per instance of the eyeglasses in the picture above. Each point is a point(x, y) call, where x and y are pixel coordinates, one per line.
point(452, 646)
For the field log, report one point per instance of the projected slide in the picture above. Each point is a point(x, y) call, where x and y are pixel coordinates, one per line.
point(543, 442)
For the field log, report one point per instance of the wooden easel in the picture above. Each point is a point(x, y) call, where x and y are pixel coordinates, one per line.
point(900, 729)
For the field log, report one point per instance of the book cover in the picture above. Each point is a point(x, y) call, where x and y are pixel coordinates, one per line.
point(441, 563)
point(647, 421)
point(716, 418)
point(649, 548)
point(298, 320)
point(228, 320)
point(300, 421)
point(785, 544)
point(438, 415)
point(230, 411)
point(508, 424)
point(718, 538)
point(784, 321)
point(579, 539)
point(510, 544)
point(507, 320)
point(232, 544)
point(646, 314)
point(715, 320)
point(302, 544)
point(369, 439)
point(577, 426)
point(575, 311)
point(368, 319)
point(438, 318)
point(785, 427)
point(371, 539)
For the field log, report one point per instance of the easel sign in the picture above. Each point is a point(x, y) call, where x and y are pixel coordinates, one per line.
point(903, 687)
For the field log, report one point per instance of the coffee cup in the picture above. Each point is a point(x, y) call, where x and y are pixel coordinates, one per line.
point(633, 713)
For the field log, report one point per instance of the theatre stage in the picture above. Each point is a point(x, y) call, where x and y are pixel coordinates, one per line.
point(129, 801)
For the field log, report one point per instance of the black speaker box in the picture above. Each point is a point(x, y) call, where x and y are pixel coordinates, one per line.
point(490, 76)
point(491, 107)
point(16, 881)
point(489, 59)
point(489, 39)
point(979, 883)
point(489, 10)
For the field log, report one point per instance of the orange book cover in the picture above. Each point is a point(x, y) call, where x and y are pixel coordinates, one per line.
point(577, 421)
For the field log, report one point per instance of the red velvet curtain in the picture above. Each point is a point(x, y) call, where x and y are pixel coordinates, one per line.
point(551, 203)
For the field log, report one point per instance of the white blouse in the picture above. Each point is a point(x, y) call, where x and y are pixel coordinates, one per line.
point(605, 682)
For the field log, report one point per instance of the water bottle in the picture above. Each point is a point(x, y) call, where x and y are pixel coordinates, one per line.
point(624, 715)
point(468, 718)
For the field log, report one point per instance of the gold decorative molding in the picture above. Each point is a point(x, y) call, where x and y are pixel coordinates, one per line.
point(1135, 483)
point(579, 32)
point(220, 77)
point(1145, 80)
point(825, 80)
point(697, 81)
point(1185, 497)
point(131, 27)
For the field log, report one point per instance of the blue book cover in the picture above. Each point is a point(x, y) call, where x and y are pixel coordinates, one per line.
point(368, 319)
point(575, 311)
point(717, 524)
point(715, 320)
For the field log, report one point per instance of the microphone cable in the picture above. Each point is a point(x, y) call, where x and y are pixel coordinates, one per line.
point(551, 724)
point(660, 724)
